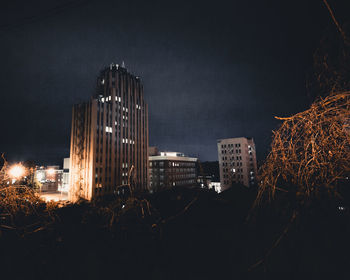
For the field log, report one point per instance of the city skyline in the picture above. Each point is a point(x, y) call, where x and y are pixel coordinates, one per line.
point(183, 139)
point(210, 73)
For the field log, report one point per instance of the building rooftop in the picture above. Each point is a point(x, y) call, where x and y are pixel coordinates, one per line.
point(234, 138)
point(172, 156)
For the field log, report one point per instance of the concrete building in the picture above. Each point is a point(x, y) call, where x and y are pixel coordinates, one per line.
point(109, 136)
point(216, 186)
point(50, 178)
point(206, 182)
point(65, 176)
point(203, 181)
point(171, 169)
point(237, 162)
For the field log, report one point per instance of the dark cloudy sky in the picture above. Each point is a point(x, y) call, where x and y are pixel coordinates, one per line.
point(210, 70)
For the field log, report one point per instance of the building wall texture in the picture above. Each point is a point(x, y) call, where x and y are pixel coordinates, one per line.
point(237, 162)
point(109, 135)
point(172, 171)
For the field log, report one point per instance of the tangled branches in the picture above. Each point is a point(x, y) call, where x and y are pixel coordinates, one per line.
point(310, 151)
point(21, 209)
point(15, 199)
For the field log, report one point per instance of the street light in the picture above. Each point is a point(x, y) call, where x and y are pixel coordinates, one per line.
point(17, 171)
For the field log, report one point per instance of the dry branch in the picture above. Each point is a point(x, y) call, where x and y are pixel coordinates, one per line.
point(310, 152)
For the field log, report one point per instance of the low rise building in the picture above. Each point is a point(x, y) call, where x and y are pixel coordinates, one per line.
point(171, 169)
point(50, 178)
point(207, 182)
point(216, 186)
point(65, 176)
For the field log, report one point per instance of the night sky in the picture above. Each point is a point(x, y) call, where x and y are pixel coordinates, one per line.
point(210, 70)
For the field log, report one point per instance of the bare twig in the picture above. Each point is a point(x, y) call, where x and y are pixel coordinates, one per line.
point(276, 243)
point(310, 151)
point(335, 20)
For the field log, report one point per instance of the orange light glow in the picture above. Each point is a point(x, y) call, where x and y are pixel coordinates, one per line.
point(17, 171)
point(51, 171)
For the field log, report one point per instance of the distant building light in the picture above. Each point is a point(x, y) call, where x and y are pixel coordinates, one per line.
point(51, 171)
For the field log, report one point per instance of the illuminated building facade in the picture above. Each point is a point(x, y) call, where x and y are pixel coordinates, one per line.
point(171, 169)
point(206, 182)
point(65, 176)
point(109, 135)
point(237, 162)
point(50, 178)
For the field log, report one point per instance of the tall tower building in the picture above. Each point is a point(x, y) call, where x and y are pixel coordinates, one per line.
point(237, 162)
point(109, 135)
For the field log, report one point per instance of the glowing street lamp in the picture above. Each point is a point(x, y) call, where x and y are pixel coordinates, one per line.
point(16, 171)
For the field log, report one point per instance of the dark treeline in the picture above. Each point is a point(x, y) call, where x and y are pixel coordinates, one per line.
point(186, 234)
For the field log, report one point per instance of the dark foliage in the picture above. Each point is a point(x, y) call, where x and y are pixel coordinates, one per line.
point(210, 168)
point(189, 234)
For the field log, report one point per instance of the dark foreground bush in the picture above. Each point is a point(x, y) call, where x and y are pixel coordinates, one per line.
point(179, 234)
